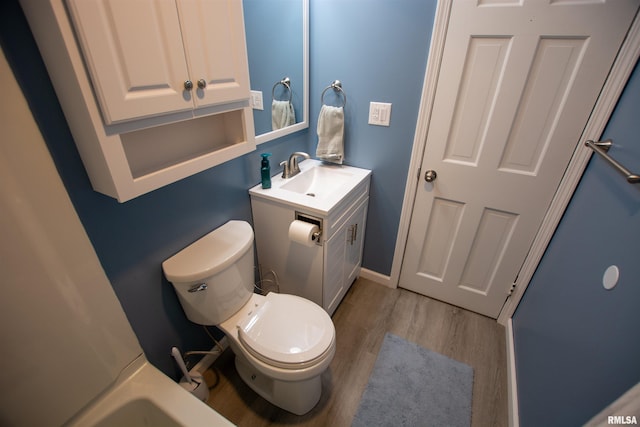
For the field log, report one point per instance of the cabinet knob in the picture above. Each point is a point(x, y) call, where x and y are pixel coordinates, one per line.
point(188, 85)
point(202, 83)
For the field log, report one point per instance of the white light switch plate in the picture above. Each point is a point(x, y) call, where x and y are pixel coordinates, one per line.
point(256, 100)
point(379, 113)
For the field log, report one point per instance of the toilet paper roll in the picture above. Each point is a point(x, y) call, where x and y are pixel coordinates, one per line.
point(302, 232)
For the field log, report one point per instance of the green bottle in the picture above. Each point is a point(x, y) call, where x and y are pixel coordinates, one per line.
point(265, 171)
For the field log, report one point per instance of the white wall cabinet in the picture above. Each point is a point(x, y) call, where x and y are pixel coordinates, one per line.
point(156, 57)
point(119, 69)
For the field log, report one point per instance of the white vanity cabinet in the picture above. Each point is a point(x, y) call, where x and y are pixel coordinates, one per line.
point(322, 272)
point(156, 57)
point(119, 69)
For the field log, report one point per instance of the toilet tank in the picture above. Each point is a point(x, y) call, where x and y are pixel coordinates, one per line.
point(213, 276)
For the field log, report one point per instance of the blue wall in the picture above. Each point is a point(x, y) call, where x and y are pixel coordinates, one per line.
point(577, 344)
point(376, 48)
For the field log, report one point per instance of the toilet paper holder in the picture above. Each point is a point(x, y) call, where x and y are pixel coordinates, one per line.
point(300, 216)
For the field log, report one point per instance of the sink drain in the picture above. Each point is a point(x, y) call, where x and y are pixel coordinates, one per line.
point(311, 194)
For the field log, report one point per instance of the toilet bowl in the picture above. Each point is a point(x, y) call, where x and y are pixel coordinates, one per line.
point(282, 343)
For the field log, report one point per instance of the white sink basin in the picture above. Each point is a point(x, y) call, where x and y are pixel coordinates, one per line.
point(318, 186)
point(319, 181)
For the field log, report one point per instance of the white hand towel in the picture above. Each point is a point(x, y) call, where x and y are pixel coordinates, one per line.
point(330, 134)
point(282, 114)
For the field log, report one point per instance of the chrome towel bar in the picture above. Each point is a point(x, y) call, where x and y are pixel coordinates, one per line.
point(601, 147)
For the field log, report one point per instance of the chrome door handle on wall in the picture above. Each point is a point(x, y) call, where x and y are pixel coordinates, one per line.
point(430, 175)
point(601, 147)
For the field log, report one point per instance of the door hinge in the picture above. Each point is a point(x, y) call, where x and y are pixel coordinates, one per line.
point(513, 285)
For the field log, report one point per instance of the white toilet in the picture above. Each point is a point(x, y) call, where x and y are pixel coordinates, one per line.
point(282, 343)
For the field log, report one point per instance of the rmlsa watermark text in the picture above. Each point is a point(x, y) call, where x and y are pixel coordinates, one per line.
point(622, 419)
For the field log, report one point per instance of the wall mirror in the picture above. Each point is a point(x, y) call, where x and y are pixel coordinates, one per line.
point(277, 34)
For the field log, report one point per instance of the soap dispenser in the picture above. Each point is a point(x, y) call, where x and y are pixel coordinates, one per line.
point(265, 171)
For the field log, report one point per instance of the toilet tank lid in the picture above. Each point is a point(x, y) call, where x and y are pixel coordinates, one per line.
point(210, 254)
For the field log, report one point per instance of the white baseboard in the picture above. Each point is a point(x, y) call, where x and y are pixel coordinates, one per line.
point(512, 389)
point(208, 359)
point(376, 277)
point(628, 403)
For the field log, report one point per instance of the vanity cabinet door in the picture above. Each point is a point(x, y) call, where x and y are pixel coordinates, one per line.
point(135, 56)
point(154, 57)
point(355, 242)
point(333, 277)
point(216, 51)
point(343, 257)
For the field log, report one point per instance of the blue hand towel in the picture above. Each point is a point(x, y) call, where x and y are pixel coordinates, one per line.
point(331, 134)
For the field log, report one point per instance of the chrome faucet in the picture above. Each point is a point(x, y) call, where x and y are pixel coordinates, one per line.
point(291, 168)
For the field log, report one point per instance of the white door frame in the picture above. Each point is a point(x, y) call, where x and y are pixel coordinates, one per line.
point(613, 87)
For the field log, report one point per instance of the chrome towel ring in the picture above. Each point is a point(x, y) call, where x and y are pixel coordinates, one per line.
point(286, 82)
point(336, 85)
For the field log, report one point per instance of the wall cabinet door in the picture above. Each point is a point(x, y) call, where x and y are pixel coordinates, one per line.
point(142, 54)
point(216, 51)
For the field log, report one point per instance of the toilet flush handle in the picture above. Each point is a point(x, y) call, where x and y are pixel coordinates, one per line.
point(198, 287)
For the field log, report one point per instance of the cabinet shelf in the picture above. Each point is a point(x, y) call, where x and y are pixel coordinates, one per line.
point(151, 150)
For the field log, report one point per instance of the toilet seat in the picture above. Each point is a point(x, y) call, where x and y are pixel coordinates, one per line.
point(287, 331)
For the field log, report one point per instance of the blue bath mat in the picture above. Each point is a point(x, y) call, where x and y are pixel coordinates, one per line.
point(412, 386)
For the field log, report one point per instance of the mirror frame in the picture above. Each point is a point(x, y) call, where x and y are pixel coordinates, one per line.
point(304, 124)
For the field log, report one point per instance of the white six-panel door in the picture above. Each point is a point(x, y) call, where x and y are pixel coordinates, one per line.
point(517, 83)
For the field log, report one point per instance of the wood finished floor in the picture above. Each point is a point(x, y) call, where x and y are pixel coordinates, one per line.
point(367, 312)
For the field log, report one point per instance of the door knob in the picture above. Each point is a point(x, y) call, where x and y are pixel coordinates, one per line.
point(430, 175)
point(202, 83)
point(188, 85)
